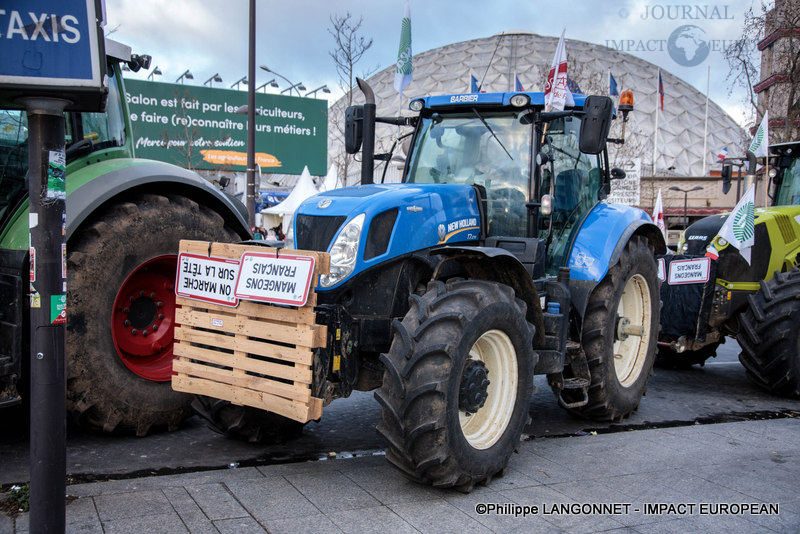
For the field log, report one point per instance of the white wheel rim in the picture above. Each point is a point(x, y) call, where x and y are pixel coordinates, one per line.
point(484, 428)
point(632, 337)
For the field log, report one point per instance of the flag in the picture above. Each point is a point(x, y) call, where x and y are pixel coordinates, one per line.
point(723, 153)
point(518, 84)
point(612, 85)
point(556, 93)
point(403, 74)
point(573, 88)
point(739, 228)
point(661, 90)
point(761, 138)
point(473, 84)
point(658, 215)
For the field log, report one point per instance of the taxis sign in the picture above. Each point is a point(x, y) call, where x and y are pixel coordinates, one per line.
point(52, 48)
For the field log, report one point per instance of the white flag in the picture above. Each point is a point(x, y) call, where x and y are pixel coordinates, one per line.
point(404, 72)
point(739, 228)
point(658, 215)
point(761, 138)
point(556, 92)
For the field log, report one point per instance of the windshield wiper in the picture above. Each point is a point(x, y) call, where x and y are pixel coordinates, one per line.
point(492, 132)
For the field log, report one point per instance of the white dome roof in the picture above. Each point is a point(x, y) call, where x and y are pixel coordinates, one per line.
point(680, 129)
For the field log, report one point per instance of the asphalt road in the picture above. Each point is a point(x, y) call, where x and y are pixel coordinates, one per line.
point(718, 392)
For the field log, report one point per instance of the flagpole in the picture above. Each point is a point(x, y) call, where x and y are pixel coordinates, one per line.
point(655, 133)
point(705, 128)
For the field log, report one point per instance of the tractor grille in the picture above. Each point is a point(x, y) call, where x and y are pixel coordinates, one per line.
point(786, 228)
point(380, 230)
point(315, 232)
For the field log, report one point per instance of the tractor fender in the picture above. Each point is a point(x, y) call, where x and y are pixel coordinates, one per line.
point(602, 238)
point(499, 265)
point(121, 178)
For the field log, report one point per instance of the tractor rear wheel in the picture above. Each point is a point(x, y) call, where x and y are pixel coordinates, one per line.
point(121, 318)
point(769, 336)
point(457, 383)
point(620, 329)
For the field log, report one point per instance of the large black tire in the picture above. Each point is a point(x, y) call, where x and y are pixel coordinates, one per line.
point(667, 358)
point(435, 371)
point(769, 335)
point(107, 388)
point(244, 422)
point(630, 290)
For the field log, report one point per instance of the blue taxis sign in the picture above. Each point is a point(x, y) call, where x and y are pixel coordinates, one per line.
point(51, 48)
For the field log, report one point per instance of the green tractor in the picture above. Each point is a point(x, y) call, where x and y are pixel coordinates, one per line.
point(124, 218)
point(757, 303)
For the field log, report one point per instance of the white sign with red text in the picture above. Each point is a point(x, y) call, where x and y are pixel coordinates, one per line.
point(207, 279)
point(279, 279)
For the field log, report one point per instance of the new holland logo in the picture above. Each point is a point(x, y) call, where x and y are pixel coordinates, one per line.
point(442, 232)
point(324, 203)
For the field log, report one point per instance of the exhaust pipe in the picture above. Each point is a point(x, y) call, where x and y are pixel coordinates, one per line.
point(368, 146)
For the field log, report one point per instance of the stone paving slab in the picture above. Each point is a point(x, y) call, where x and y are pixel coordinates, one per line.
point(645, 482)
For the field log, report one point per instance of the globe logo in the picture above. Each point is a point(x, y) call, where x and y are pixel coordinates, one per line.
point(688, 46)
point(623, 13)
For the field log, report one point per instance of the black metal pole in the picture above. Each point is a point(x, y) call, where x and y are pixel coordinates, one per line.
point(46, 181)
point(368, 142)
point(250, 192)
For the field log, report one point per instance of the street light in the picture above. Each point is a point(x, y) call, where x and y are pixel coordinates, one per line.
point(214, 78)
point(271, 83)
point(299, 86)
point(187, 75)
point(156, 72)
point(685, 201)
point(243, 80)
point(323, 88)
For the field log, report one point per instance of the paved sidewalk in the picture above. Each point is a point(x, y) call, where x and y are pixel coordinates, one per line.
point(723, 478)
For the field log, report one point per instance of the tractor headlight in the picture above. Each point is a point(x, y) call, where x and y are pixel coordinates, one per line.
point(416, 105)
point(547, 205)
point(344, 252)
point(520, 100)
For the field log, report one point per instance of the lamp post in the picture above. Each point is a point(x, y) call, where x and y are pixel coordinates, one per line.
point(323, 88)
point(293, 85)
point(156, 72)
point(250, 189)
point(214, 78)
point(685, 201)
point(186, 75)
point(243, 80)
point(271, 83)
point(299, 86)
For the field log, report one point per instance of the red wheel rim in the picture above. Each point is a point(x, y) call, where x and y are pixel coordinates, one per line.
point(143, 319)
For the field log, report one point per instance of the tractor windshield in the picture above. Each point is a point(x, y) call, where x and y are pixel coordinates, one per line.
point(789, 192)
point(483, 148)
point(13, 161)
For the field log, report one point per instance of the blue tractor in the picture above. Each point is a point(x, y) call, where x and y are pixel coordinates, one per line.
point(494, 260)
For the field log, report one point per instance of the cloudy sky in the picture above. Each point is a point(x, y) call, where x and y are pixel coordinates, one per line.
point(210, 36)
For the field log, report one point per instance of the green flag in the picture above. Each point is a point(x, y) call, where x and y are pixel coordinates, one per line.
point(404, 72)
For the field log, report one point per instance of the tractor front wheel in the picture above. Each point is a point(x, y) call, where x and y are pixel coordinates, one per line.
point(457, 383)
point(769, 336)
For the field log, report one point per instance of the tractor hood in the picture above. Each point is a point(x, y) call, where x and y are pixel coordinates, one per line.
point(395, 219)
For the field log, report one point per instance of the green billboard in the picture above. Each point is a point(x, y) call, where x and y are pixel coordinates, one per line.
point(198, 128)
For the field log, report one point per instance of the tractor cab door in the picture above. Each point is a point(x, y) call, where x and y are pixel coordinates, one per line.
point(574, 180)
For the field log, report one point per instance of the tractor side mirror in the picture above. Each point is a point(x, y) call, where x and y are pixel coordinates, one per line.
point(353, 129)
point(727, 172)
point(596, 122)
point(617, 174)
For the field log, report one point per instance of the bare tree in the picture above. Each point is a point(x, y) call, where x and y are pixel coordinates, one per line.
point(349, 49)
point(781, 56)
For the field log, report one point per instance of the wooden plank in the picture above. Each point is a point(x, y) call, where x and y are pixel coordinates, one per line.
point(227, 376)
point(287, 354)
point(298, 411)
point(300, 334)
point(259, 310)
point(294, 373)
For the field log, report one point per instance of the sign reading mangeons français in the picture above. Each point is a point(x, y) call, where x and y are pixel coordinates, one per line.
point(280, 279)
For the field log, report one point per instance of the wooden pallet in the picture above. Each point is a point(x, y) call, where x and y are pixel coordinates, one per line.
point(255, 354)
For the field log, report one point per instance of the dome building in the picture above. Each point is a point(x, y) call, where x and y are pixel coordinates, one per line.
point(499, 60)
